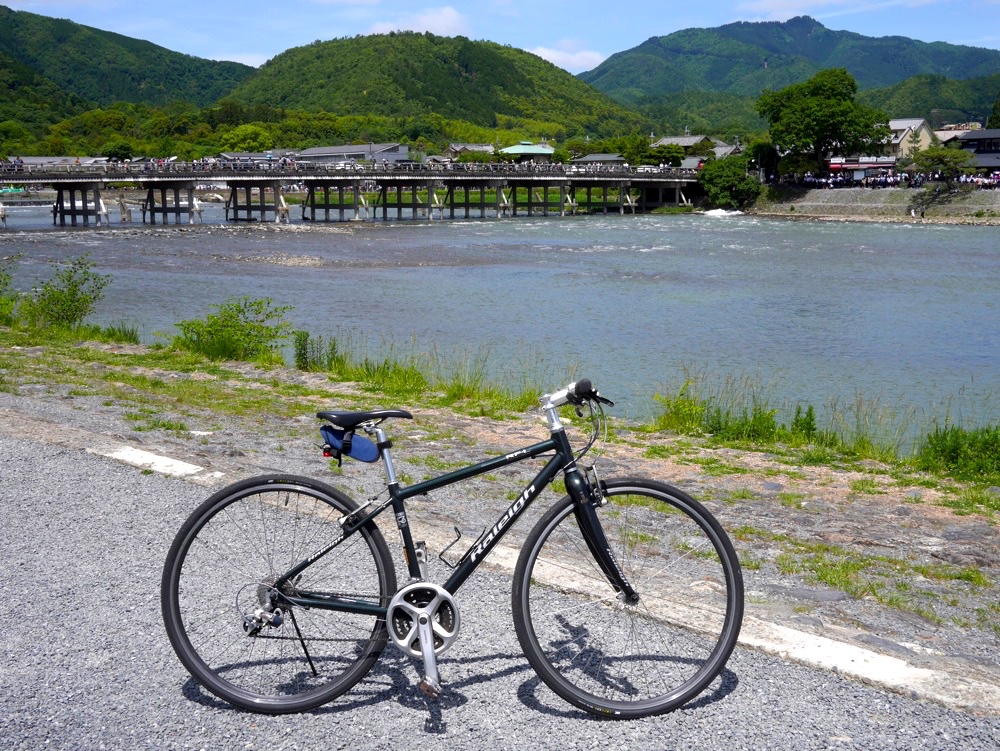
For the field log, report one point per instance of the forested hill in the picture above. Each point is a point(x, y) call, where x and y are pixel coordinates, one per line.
point(410, 74)
point(746, 58)
point(29, 100)
point(104, 67)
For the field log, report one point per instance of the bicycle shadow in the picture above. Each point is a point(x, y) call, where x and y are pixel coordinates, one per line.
point(396, 677)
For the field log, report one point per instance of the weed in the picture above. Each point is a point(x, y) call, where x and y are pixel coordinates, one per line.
point(866, 486)
point(120, 332)
point(791, 500)
point(972, 500)
point(972, 455)
point(682, 413)
point(817, 456)
point(659, 452)
point(714, 467)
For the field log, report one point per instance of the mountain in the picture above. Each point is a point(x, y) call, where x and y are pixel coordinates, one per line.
point(937, 99)
point(409, 74)
point(103, 67)
point(746, 58)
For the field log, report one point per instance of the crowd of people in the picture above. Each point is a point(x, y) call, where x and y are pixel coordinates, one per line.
point(889, 180)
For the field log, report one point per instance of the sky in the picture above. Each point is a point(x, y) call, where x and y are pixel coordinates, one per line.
point(575, 35)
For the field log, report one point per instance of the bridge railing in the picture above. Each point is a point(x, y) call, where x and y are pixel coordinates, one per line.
point(221, 170)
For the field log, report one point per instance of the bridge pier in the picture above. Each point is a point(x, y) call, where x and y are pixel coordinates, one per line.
point(414, 204)
point(251, 210)
point(318, 200)
point(165, 208)
point(77, 200)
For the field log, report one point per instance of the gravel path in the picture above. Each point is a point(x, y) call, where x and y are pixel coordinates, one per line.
point(89, 667)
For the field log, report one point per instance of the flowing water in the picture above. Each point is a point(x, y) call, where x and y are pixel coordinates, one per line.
point(905, 314)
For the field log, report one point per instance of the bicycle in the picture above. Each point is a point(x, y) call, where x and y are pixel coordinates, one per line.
point(279, 592)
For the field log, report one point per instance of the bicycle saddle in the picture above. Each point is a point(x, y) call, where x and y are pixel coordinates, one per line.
point(351, 420)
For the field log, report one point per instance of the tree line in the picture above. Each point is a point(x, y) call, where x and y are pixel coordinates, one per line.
point(806, 123)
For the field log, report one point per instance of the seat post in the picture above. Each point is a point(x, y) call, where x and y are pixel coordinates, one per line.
point(383, 444)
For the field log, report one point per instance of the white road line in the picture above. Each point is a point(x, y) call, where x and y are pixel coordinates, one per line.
point(146, 460)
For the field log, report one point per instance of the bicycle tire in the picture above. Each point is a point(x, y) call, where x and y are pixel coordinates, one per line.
point(219, 569)
point(628, 661)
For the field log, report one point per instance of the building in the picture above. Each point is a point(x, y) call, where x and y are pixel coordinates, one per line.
point(985, 147)
point(526, 151)
point(699, 145)
point(948, 133)
point(688, 142)
point(355, 152)
point(455, 150)
point(909, 135)
point(58, 163)
point(600, 160)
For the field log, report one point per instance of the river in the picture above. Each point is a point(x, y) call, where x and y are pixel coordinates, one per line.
point(904, 315)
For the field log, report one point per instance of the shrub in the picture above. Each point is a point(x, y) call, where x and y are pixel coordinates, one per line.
point(67, 298)
point(241, 329)
point(8, 298)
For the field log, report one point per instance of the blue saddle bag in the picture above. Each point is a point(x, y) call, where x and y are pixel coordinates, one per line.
point(355, 446)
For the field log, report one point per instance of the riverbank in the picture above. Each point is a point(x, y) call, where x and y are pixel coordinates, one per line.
point(860, 554)
point(901, 205)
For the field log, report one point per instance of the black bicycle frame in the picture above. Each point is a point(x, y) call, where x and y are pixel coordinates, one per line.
point(561, 460)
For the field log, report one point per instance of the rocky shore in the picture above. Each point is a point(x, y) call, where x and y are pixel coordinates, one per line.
point(901, 205)
point(851, 552)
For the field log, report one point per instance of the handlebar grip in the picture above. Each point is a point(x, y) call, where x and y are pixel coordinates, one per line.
point(582, 388)
point(577, 393)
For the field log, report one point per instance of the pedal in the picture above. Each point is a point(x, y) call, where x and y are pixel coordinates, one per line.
point(430, 687)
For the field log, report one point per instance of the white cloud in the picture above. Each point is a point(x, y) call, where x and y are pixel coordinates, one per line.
point(573, 61)
point(444, 21)
point(570, 55)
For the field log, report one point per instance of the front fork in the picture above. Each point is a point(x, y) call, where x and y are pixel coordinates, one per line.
point(587, 497)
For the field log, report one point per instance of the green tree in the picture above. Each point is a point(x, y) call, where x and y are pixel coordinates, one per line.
point(729, 183)
point(120, 150)
point(13, 137)
point(821, 116)
point(250, 138)
point(948, 161)
point(670, 153)
point(994, 121)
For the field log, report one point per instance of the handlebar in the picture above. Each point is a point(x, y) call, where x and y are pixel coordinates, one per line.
point(577, 392)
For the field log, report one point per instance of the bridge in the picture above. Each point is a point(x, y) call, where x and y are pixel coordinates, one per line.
point(356, 193)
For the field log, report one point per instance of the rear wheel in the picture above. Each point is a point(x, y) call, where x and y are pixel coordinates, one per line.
point(615, 658)
point(230, 624)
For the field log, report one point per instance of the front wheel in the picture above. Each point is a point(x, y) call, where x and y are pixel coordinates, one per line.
point(629, 659)
point(228, 618)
